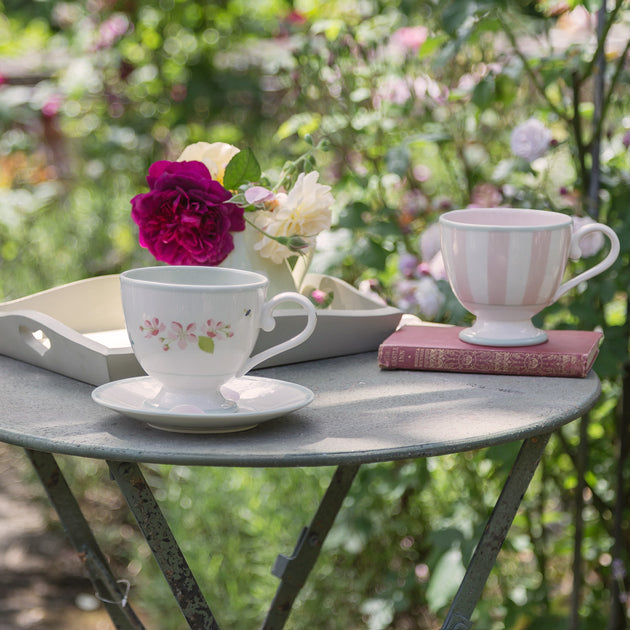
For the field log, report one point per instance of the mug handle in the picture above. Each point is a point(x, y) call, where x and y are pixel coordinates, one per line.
point(575, 253)
point(267, 323)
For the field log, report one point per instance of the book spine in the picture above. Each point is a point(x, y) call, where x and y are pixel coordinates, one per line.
point(494, 361)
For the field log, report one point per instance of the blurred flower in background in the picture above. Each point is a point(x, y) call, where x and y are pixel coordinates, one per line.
point(592, 243)
point(530, 140)
point(485, 195)
point(417, 290)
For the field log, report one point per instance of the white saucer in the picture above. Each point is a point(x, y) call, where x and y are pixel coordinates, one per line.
point(258, 400)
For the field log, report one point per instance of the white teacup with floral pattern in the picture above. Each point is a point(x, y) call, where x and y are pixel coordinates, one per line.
point(194, 328)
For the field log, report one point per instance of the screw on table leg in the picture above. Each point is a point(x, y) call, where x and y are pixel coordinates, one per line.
point(80, 535)
point(495, 533)
point(165, 549)
point(293, 570)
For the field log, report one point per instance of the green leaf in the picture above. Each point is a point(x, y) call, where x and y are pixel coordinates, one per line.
point(302, 124)
point(384, 229)
point(352, 216)
point(206, 344)
point(445, 579)
point(506, 89)
point(431, 133)
point(242, 169)
point(431, 45)
point(398, 160)
point(371, 254)
point(360, 94)
point(483, 93)
point(455, 13)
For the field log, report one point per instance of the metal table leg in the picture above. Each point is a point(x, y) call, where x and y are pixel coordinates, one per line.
point(294, 570)
point(163, 545)
point(494, 535)
point(107, 588)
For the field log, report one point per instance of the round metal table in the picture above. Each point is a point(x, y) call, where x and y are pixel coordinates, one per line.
point(360, 414)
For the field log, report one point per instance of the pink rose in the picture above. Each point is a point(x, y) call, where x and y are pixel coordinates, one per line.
point(52, 106)
point(186, 217)
point(410, 37)
point(318, 296)
point(258, 194)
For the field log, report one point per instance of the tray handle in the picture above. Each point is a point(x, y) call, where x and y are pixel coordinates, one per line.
point(40, 340)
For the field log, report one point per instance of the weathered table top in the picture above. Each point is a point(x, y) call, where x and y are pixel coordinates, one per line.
point(360, 414)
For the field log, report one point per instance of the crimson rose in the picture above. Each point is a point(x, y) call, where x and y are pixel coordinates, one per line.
point(186, 218)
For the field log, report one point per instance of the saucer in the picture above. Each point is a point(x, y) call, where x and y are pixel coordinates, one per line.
point(257, 400)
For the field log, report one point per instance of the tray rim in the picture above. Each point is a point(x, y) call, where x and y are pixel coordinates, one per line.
point(21, 305)
point(20, 321)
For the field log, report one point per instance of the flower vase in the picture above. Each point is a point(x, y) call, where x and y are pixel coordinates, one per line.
point(301, 267)
point(245, 257)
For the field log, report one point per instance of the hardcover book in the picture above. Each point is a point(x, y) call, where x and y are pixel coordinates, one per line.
point(569, 353)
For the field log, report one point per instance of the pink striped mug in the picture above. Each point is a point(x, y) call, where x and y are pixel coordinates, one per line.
point(506, 264)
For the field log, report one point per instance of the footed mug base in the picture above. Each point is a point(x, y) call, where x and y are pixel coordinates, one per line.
point(503, 334)
point(190, 401)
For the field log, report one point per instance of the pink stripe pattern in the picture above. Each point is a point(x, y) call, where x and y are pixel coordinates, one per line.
point(505, 267)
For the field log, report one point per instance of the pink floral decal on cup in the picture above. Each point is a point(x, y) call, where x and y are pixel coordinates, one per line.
point(203, 336)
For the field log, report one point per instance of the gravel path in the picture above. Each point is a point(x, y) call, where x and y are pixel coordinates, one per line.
point(42, 581)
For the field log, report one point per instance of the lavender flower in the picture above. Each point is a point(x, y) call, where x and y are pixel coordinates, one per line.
point(408, 265)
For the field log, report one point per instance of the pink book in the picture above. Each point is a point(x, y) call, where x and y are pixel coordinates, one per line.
point(438, 348)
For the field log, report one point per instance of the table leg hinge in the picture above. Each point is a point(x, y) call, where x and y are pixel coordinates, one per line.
point(283, 563)
point(457, 622)
point(113, 594)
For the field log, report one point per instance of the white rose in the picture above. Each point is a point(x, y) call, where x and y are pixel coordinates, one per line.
point(591, 243)
point(304, 212)
point(436, 267)
point(530, 140)
point(430, 242)
point(428, 297)
point(216, 156)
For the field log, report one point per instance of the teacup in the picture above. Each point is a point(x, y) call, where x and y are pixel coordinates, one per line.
point(506, 264)
point(194, 328)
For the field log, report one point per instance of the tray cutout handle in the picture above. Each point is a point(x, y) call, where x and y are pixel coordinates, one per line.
point(37, 340)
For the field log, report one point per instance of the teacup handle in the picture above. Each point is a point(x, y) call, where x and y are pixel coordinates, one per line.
point(267, 323)
point(575, 253)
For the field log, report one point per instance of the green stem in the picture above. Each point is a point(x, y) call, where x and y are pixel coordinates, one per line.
point(598, 119)
point(602, 35)
point(530, 71)
point(297, 165)
point(299, 246)
point(578, 568)
point(576, 124)
point(615, 78)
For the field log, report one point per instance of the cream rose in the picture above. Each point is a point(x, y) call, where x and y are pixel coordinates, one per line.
point(216, 156)
point(304, 212)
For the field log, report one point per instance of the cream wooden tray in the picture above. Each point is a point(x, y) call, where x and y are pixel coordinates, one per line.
point(78, 329)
